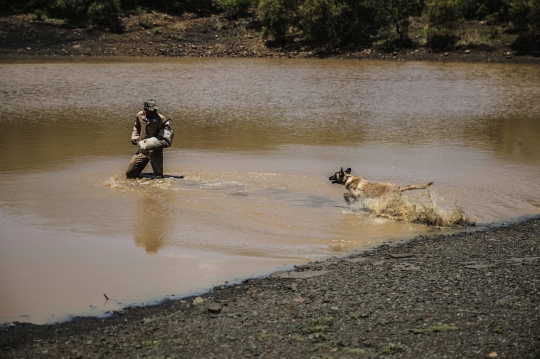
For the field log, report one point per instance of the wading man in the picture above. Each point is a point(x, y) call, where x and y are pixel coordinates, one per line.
point(152, 132)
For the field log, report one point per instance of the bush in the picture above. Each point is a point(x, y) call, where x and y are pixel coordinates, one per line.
point(38, 15)
point(276, 19)
point(441, 39)
point(483, 9)
point(393, 17)
point(105, 14)
point(234, 9)
point(323, 21)
point(525, 15)
point(74, 12)
point(443, 13)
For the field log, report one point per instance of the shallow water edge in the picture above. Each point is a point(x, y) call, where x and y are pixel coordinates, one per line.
point(434, 294)
point(156, 304)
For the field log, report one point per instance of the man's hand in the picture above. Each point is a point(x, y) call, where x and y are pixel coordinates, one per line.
point(134, 141)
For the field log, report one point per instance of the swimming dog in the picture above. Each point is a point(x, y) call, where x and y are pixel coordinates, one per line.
point(359, 187)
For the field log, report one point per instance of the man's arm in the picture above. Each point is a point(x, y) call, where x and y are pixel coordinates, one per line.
point(135, 135)
point(166, 132)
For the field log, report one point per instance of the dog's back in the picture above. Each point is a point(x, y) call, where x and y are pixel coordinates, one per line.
point(371, 189)
point(359, 187)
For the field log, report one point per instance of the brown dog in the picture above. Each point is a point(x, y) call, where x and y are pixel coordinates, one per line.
point(359, 187)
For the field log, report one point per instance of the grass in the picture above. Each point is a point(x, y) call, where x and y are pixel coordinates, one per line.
point(327, 344)
point(392, 348)
point(359, 314)
point(472, 37)
point(320, 325)
point(269, 335)
point(219, 26)
point(383, 322)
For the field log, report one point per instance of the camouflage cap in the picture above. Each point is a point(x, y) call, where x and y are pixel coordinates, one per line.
point(150, 105)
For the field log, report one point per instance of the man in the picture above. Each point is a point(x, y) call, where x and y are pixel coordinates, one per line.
point(148, 123)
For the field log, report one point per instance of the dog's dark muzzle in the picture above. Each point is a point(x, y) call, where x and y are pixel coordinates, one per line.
point(333, 179)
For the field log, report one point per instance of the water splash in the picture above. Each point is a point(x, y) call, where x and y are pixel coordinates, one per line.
point(121, 182)
point(421, 209)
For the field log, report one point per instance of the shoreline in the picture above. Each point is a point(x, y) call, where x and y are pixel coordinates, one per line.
point(475, 294)
point(161, 35)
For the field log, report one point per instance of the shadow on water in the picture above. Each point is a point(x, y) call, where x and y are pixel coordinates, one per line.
point(152, 176)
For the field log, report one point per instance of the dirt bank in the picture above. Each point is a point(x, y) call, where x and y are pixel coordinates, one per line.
point(214, 36)
point(468, 295)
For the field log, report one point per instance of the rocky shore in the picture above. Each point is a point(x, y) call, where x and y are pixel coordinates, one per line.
point(161, 35)
point(468, 295)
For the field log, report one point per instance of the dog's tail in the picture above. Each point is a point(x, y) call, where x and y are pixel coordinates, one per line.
point(414, 186)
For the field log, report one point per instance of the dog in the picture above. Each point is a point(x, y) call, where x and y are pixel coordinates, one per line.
point(359, 187)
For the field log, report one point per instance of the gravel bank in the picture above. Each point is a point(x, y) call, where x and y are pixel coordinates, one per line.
point(161, 35)
point(468, 295)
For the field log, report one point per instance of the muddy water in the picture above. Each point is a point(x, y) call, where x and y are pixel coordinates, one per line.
point(256, 141)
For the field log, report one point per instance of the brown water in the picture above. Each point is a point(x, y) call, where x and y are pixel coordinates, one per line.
point(256, 141)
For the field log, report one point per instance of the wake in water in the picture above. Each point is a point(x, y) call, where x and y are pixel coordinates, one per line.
point(419, 209)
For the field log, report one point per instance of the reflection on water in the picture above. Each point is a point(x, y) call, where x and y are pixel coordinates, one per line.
point(153, 221)
point(256, 141)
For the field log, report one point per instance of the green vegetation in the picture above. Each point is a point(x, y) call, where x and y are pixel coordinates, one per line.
point(234, 9)
point(320, 325)
point(334, 23)
point(392, 348)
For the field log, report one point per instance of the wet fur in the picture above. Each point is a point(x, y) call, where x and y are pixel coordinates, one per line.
point(359, 187)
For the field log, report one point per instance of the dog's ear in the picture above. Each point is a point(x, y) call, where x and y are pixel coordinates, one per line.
point(347, 171)
point(341, 170)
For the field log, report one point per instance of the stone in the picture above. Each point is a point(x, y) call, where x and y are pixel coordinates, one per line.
point(401, 255)
point(479, 266)
point(298, 275)
point(406, 266)
point(467, 51)
point(198, 301)
point(214, 308)
point(357, 260)
point(504, 300)
point(524, 259)
point(279, 274)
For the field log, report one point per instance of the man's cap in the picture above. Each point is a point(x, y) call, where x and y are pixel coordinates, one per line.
point(150, 105)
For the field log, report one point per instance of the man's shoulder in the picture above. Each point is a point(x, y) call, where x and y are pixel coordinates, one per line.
point(140, 113)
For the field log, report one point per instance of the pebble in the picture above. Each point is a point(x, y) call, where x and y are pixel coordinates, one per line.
point(198, 300)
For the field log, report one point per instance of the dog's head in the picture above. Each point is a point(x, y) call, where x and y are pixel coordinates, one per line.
point(340, 177)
